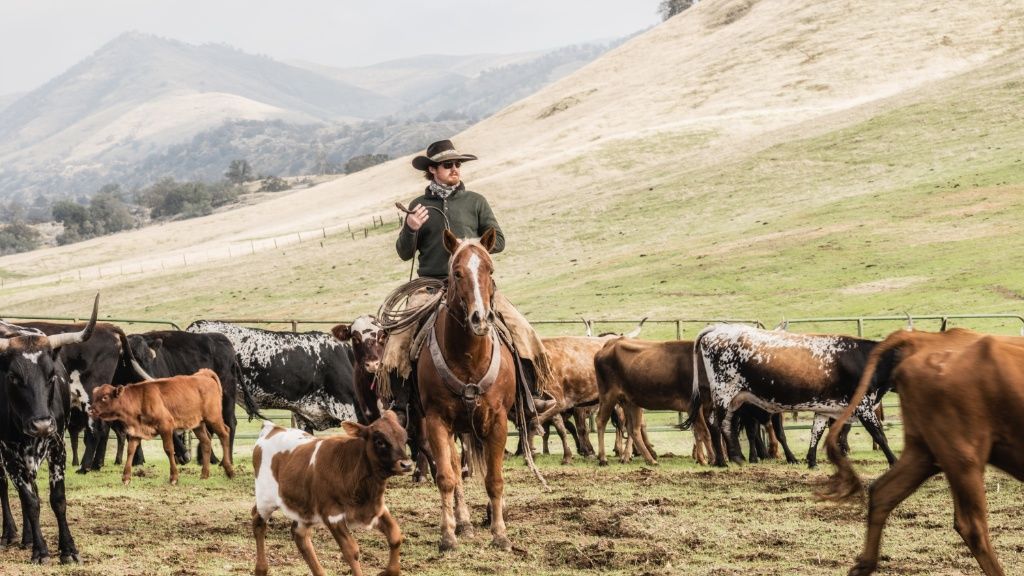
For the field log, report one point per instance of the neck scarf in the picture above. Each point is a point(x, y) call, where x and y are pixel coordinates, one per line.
point(442, 191)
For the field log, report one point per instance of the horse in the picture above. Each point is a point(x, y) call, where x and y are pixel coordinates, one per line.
point(467, 384)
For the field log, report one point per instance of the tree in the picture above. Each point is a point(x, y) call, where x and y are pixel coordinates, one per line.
point(239, 172)
point(357, 163)
point(669, 8)
point(274, 184)
point(18, 237)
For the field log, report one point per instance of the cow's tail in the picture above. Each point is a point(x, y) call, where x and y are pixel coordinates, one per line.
point(248, 402)
point(695, 399)
point(844, 484)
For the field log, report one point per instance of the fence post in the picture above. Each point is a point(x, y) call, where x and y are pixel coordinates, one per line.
point(679, 330)
point(366, 233)
point(295, 326)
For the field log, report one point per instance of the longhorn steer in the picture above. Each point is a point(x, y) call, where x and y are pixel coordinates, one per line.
point(735, 364)
point(338, 482)
point(34, 407)
point(308, 373)
point(962, 402)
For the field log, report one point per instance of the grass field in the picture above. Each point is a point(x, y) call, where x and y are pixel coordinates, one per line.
point(676, 518)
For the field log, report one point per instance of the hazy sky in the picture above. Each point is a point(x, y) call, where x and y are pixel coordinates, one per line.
point(43, 38)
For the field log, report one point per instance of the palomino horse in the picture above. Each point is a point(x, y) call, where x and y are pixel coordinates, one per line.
point(467, 383)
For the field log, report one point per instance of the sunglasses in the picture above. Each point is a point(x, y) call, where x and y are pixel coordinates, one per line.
point(451, 164)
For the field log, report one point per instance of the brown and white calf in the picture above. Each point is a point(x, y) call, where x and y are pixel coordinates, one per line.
point(159, 407)
point(338, 482)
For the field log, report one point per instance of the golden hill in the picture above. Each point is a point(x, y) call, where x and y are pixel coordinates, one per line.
point(744, 159)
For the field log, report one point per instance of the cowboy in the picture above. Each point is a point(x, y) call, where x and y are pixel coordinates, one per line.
point(446, 203)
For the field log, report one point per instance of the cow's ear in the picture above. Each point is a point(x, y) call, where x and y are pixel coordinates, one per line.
point(354, 429)
point(117, 391)
point(342, 332)
point(156, 345)
point(450, 241)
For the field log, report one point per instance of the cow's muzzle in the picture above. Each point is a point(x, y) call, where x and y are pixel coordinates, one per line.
point(41, 427)
point(404, 466)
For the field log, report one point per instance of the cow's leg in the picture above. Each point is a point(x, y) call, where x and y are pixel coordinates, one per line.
point(32, 531)
point(563, 434)
point(133, 445)
point(259, 532)
point(970, 511)
point(494, 455)
point(58, 461)
point(349, 546)
point(817, 428)
point(885, 494)
point(603, 414)
point(643, 435)
point(439, 438)
point(387, 525)
point(874, 427)
point(205, 449)
point(732, 439)
point(702, 449)
point(301, 536)
point(717, 441)
point(585, 448)
point(168, 437)
point(463, 524)
point(74, 432)
point(180, 448)
point(634, 423)
point(780, 433)
point(224, 435)
point(9, 532)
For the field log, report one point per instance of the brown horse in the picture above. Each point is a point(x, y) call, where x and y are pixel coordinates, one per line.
point(467, 385)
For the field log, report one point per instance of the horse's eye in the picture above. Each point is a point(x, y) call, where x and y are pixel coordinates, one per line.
point(458, 274)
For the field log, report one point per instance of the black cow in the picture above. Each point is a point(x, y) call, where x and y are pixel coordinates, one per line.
point(736, 364)
point(309, 373)
point(367, 339)
point(34, 406)
point(166, 353)
point(104, 359)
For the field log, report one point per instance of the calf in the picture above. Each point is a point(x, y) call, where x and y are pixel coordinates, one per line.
point(735, 364)
point(338, 482)
point(159, 407)
point(367, 339)
point(962, 402)
point(643, 374)
point(34, 407)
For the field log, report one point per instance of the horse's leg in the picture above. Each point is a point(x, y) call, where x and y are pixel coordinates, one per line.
point(463, 524)
point(494, 454)
point(439, 438)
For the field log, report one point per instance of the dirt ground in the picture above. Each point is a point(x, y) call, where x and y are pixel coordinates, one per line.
point(676, 518)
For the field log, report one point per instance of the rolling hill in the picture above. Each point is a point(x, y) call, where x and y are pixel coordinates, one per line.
point(743, 159)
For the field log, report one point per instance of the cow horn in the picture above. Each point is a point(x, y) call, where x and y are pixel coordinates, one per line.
point(590, 328)
point(4, 344)
point(636, 331)
point(910, 321)
point(58, 340)
point(140, 370)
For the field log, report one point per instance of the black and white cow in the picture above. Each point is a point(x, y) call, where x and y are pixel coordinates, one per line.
point(34, 406)
point(309, 373)
point(166, 353)
point(103, 359)
point(736, 364)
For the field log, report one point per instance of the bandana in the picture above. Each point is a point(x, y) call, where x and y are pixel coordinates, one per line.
point(441, 191)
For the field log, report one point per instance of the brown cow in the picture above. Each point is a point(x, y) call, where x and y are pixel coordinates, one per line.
point(642, 374)
point(962, 401)
point(162, 406)
point(338, 482)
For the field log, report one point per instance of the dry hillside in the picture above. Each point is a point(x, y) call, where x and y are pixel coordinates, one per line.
point(744, 158)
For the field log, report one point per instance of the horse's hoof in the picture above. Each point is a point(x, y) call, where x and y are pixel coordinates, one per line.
point(566, 461)
point(70, 558)
point(502, 543)
point(447, 544)
point(464, 529)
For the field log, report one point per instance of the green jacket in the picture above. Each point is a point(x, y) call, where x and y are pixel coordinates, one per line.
point(469, 216)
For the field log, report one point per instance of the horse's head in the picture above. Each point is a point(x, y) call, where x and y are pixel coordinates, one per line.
point(470, 286)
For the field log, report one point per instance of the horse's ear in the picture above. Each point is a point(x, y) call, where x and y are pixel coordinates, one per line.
point(489, 239)
point(450, 241)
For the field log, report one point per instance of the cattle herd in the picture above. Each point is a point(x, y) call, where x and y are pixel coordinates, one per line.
point(961, 396)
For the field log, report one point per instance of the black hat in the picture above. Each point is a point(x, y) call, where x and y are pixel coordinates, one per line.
point(441, 151)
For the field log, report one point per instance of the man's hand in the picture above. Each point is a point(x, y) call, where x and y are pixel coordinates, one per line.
point(417, 217)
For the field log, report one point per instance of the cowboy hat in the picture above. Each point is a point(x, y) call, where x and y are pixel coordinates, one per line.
point(440, 151)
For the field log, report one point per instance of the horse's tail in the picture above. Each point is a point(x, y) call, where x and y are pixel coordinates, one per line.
point(473, 444)
point(698, 360)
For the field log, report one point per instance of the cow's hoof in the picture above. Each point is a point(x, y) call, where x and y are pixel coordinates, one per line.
point(174, 481)
point(389, 573)
point(602, 462)
point(82, 471)
point(501, 543)
point(862, 568)
point(126, 481)
point(41, 559)
point(70, 558)
point(447, 544)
